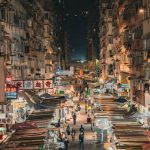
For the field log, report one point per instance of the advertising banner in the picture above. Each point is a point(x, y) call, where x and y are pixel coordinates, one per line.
point(11, 92)
point(48, 84)
point(33, 84)
point(38, 84)
point(18, 104)
point(19, 84)
point(28, 85)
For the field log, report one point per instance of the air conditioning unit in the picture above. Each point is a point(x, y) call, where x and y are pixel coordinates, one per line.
point(133, 36)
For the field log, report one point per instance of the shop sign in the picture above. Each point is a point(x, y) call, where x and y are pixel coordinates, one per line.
point(18, 104)
point(38, 84)
point(124, 85)
point(28, 85)
point(48, 84)
point(11, 92)
point(19, 84)
point(33, 84)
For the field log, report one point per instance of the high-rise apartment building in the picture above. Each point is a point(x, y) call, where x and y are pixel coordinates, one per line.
point(124, 40)
point(28, 38)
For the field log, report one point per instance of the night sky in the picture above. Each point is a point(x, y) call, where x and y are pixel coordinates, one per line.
point(76, 21)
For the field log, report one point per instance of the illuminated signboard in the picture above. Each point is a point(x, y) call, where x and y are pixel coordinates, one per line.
point(11, 92)
point(38, 84)
point(48, 84)
point(33, 84)
point(28, 85)
point(19, 84)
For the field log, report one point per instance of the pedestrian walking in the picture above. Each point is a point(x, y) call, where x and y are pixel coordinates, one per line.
point(88, 119)
point(66, 143)
point(67, 110)
point(86, 108)
point(92, 108)
point(78, 108)
point(82, 129)
point(89, 108)
point(68, 130)
point(60, 136)
point(74, 118)
point(81, 140)
point(73, 133)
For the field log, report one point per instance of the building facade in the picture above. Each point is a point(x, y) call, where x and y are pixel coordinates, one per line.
point(28, 39)
point(124, 39)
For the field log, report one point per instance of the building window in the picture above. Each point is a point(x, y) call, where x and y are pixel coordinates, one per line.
point(2, 13)
point(110, 69)
point(147, 44)
point(110, 53)
point(110, 40)
point(46, 16)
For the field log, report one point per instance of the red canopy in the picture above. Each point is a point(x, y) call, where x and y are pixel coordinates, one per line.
point(146, 146)
point(24, 125)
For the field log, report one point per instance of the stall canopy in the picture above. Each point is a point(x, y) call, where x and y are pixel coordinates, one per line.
point(45, 96)
point(114, 80)
point(24, 125)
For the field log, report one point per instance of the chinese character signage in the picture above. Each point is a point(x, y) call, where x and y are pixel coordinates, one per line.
point(38, 84)
point(11, 92)
point(28, 85)
point(48, 84)
point(19, 84)
point(33, 84)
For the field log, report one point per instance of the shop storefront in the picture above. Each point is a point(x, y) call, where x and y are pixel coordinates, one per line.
point(103, 128)
point(124, 86)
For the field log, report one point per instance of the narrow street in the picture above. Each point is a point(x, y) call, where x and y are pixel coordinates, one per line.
point(65, 64)
point(130, 134)
point(90, 137)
